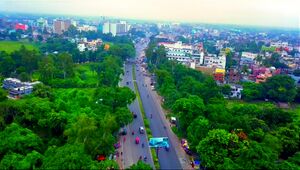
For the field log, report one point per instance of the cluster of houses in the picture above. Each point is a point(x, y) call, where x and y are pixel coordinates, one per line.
point(18, 88)
point(84, 44)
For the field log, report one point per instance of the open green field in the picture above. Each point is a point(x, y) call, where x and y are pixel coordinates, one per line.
point(10, 46)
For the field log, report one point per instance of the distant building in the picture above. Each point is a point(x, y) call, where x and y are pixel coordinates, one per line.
point(183, 53)
point(279, 44)
point(115, 29)
point(219, 75)
point(248, 58)
point(81, 47)
point(236, 91)
point(60, 26)
point(233, 75)
point(18, 88)
point(20, 26)
point(212, 60)
point(86, 28)
point(42, 23)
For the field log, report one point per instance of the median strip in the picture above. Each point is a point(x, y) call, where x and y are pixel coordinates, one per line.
point(146, 121)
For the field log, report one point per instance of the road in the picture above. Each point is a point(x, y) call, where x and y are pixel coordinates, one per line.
point(131, 151)
point(175, 158)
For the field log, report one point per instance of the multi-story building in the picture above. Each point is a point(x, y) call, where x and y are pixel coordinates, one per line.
point(106, 28)
point(120, 28)
point(18, 88)
point(247, 58)
point(181, 52)
point(87, 28)
point(60, 26)
point(42, 23)
point(212, 60)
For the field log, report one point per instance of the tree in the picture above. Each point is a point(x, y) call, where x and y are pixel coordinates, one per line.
point(289, 137)
point(252, 91)
point(197, 130)
point(43, 91)
point(296, 72)
point(84, 131)
point(3, 95)
point(280, 88)
point(65, 64)
point(218, 145)
point(47, 68)
point(24, 77)
point(188, 109)
point(7, 64)
point(15, 138)
point(12, 160)
point(226, 89)
point(114, 97)
point(140, 165)
point(109, 71)
point(257, 156)
point(123, 116)
point(67, 157)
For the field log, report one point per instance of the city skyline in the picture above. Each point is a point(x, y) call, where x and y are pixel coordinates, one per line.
point(255, 12)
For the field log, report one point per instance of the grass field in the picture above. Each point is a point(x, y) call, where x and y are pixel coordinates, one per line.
point(10, 46)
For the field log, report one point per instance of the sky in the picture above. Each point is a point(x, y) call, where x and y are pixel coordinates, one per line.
point(279, 13)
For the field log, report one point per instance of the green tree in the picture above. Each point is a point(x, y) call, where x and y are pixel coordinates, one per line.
point(12, 160)
point(43, 91)
point(7, 64)
point(280, 88)
point(257, 156)
point(15, 138)
point(67, 157)
point(197, 130)
point(252, 91)
point(226, 89)
point(47, 69)
point(188, 109)
point(65, 64)
point(3, 95)
point(218, 145)
point(140, 165)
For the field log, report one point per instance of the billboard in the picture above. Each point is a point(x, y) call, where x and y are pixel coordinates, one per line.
point(162, 142)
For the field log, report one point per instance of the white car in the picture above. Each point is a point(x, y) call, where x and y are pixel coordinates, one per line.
point(142, 130)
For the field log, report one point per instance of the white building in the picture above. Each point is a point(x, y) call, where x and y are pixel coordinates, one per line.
point(279, 44)
point(236, 91)
point(81, 47)
point(115, 28)
point(181, 52)
point(106, 28)
point(87, 28)
point(212, 60)
point(247, 58)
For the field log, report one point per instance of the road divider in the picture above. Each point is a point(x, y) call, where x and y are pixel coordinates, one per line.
point(146, 121)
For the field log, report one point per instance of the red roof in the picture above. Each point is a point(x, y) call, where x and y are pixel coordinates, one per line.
point(21, 27)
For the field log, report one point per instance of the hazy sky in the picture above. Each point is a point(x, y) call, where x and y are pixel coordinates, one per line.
point(284, 13)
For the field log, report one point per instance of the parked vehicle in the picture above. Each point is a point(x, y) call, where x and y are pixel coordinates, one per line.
point(142, 130)
point(123, 131)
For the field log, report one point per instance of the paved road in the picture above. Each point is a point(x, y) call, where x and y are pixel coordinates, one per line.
point(131, 151)
point(175, 158)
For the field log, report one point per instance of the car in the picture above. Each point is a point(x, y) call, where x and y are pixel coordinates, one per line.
point(134, 115)
point(137, 140)
point(142, 130)
point(123, 131)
